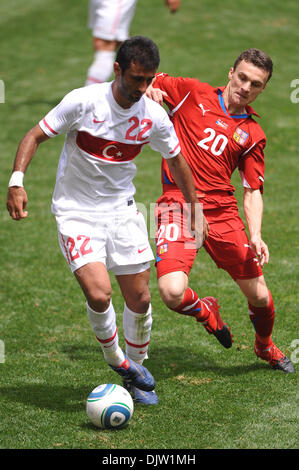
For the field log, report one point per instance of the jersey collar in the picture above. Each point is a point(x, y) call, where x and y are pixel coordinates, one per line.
point(249, 109)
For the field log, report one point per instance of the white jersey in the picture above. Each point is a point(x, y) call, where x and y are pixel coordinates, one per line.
point(102, 139)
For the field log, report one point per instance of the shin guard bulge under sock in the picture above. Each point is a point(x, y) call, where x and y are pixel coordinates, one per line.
point(105, 330)
point(262, 319)
point(137, 330)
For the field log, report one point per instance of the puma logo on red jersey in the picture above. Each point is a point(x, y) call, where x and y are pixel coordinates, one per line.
point(204, 111)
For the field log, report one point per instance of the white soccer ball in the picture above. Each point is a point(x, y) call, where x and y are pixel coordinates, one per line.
point(109, 406)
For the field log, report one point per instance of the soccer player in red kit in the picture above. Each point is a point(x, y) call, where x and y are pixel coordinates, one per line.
point(218, 133)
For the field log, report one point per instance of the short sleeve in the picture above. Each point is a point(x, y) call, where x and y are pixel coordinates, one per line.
point(65, 116)
point(164, 139)
point(175, 87)
point(252, 166)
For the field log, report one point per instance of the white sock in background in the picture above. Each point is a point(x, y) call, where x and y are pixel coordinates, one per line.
point(102, 67)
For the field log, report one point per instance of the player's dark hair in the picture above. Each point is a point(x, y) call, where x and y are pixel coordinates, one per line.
point(258, 58)
point(138, 49)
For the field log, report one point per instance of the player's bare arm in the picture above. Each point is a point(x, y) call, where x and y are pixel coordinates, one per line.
point(184, 180)
point(253, 210)
point(155, 94)
point(17, 196)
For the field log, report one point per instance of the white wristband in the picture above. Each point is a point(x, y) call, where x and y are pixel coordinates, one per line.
point(16, 179)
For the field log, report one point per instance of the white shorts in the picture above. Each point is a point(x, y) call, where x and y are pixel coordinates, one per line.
point(117, 238)
point(111, 19)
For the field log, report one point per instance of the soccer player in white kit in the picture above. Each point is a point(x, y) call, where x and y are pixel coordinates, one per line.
point(110, 22)
point(99, 226)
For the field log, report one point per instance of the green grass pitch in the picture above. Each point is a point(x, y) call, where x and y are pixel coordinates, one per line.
point(210, 398)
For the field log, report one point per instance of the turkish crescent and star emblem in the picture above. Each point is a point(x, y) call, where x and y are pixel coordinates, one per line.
point(107, 149)
point(111, 152)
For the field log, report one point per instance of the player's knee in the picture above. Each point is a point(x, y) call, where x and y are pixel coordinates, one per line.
point(139, 300)
point(259, 297)
point(99, 300)
point(172, 294)
point(255, 290)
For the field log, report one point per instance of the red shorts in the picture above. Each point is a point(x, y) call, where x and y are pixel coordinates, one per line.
point(227, 244)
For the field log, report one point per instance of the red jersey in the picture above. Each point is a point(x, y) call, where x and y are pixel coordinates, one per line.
point(213, 142)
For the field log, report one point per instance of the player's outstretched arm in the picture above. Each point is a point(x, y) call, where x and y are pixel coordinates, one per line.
point(183, 177)
point(253, 210)
point(155, 94)
point(16, 196)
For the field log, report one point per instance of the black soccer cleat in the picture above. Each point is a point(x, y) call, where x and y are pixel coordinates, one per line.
point(214, 324)
point(285, 364)
point(224, 336)
point(276, 358)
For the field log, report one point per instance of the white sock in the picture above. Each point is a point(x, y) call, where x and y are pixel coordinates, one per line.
point(137, 331)
point(102, 67)
point(105, 329)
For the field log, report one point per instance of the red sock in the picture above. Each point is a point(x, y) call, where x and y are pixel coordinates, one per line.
point(262, 319)
point(191, 306)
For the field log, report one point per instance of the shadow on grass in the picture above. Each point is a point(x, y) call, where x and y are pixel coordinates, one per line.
point(164, 363)
point(170, 361)
point(76, 352)
point(56, 397)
